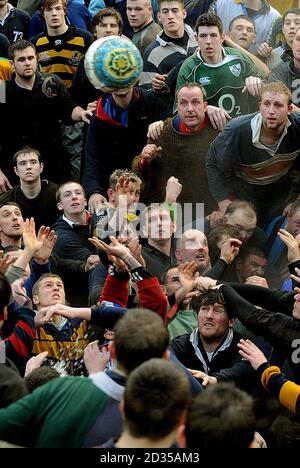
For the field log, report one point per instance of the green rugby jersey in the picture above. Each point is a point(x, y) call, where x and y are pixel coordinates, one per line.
point(223, 82)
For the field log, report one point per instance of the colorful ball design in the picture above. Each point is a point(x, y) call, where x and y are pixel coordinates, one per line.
point(112, 63)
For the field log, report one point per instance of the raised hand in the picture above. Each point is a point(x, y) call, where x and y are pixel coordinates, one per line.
point(94, 359)
point(252, 353)
point(292, 245)
point(32, 243)
point(48, 239)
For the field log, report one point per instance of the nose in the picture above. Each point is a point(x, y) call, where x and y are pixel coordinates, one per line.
point(259, 271)
point(210, 312)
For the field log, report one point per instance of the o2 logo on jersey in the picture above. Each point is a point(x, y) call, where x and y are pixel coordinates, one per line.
point(296, 353)
point(227, 102)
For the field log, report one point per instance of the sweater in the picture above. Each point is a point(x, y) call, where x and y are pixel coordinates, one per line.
point(290, 76)
point(111, 145)
point(57, 414)
point(183, 156)
point(16, 24)
point(226, 363)
point(280, 387)
point(239, 165)
point(43, 207)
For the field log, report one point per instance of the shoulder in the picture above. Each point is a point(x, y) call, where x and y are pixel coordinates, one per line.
point(294, 118)
point(38, 37)
point(21, 13)
point(82, 33)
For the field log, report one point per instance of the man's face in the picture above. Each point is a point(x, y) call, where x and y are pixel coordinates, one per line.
point(245, 223)
point(172, 283)
point(25, 63)
point(296, 46)
point(28, 167)
point(55, 15)
point(294, 223)
point(194, 248)
point(11, 221)
point(251, 266)
point(172, 16)
point(160, 226)
point(191, 107)
point(139, 13)
point(213, 322)
point(72, 199)
point(210, 43)
point(274, 109)
point(51, 291)
point(243, 33)
point(290, 26)
point(107, 27)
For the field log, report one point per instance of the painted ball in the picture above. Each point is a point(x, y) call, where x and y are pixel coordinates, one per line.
point(112, 63)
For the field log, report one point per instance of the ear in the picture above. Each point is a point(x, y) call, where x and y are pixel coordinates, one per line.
point(121, 407)
point(166, 355)
point(205, 104)
point(178, 255)
point(35, 299)
point(223, 37)
point(112, 349)
point(41, 168)
point(16, 171)
point(290, 108)
point(184, 13)
point(181, 440)
point(59, 206)
point(231, 323)
point(158, 16)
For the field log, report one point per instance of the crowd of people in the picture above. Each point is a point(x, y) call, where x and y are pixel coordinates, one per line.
point(150, 236)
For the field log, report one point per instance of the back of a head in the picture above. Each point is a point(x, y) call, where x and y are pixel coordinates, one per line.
point(221, 417)
point(156, 397)
point(39, 377)
point(139, 336)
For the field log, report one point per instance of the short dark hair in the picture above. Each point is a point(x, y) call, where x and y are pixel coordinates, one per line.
point(245, 252)
point(165, 273)
point(156, 396)
point(26, 150)
point(222, 416)
point(209, 19)
point(9, 203)
point(295, 11)
point(5, 293)
point(21, 44)
point(97, 18)
point(69, 181)
point(139, 335)
point(211, 297)
point(244, 17)
point(39, 377)
point(216, 235)
point(47, 4)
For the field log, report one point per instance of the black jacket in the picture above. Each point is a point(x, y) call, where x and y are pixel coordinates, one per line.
point(111, 146)
point(16, 25)
point(273, 321)
point(72, 241)
point(226, 363)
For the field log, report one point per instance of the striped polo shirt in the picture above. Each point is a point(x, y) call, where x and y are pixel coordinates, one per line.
point(61, 54)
